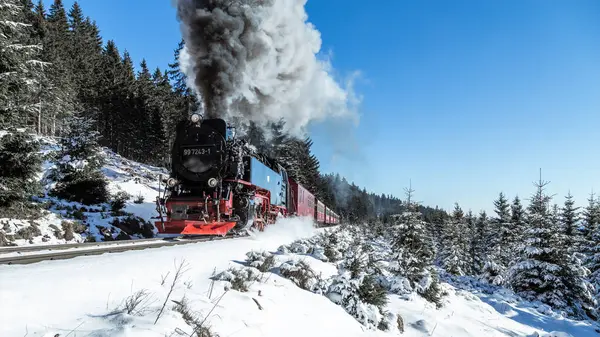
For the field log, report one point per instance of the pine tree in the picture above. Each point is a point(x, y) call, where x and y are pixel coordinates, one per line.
point(471, 225)
point(21, 162)
point(187, 100)
point(453, 255)
point(518, 228)
point(593, 263)
point(57, 52)
point(20, 66)
point(479, 246)
point(413, 251)
point(86, 49)
point(545, 270)
point(501, 237)
point(591, 217)
point(310, 167)
point(569, 217)
point(150, 126)
point(165, 104)
point(77, 168)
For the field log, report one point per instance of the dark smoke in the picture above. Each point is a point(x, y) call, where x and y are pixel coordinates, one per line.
point(218, 37)
point(256, 60)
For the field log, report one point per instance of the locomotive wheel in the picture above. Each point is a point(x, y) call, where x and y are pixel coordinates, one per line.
point(245, 214)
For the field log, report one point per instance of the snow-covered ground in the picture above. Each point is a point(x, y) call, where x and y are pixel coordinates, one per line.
point(93, 223)
point(81, 297)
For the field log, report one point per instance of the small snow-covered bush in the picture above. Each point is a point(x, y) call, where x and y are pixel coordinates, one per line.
point(430, 289)
point(239, 279)
point(492, 273)
point(263, 261)
point(300, 273)
point(138, 199)
point(344, 291)
point(77, 166)
point(372, 292)
point(117, 204)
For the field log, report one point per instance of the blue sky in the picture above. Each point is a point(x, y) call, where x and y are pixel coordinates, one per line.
point(466, 98)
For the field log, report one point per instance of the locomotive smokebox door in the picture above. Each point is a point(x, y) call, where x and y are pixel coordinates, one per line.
point(199, 151)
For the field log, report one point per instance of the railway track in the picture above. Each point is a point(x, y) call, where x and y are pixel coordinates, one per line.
point(68, 251)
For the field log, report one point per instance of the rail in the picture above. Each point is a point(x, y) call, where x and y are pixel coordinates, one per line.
point(88, 249)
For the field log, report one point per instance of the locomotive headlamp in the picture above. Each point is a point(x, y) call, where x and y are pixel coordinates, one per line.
point(171, 182)
point(212, 182)
point(195, 118)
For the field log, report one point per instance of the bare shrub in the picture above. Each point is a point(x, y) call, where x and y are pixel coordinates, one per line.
point(400, 323)
point(28, 232)
point(4, 240)
point(79, 227)
point(192, 319)
point(67, 228)
point(57, 232)
point(180, 269)
point(137, 304)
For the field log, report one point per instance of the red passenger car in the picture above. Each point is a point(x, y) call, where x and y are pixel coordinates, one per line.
point(302, 202)
point(320, 212)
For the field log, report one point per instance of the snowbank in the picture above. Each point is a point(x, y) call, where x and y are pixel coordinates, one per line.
point(88, 295)
point(59, 296)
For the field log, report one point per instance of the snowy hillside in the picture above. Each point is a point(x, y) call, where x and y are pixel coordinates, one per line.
point(71, 222)
point(283, 282)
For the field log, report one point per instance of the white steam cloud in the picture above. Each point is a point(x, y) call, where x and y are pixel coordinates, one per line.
point(257, 61)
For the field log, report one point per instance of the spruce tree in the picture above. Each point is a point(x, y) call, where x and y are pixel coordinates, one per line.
point(453, 255)
point(535, 275)
point(86, 49)
point(471, 225)
point(570, 217)
point(58, 52)
point(545, 271)
point(166, 106)
point(413, 251)
point(187, 102)
point(479, 246)
point(20, 66)
point(518, 227)
point(593, 263)
point(501, 237)
point(21, 162)
point(591, 218)
point(77, 168)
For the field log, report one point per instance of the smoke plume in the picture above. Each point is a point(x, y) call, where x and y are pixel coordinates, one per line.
point(257, 61)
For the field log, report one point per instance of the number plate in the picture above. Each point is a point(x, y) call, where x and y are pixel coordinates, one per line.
point(199, 151)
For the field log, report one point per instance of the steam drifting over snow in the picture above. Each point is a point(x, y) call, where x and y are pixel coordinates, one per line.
point(256, 61)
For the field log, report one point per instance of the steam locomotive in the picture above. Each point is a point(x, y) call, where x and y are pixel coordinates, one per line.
point(218, 184)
